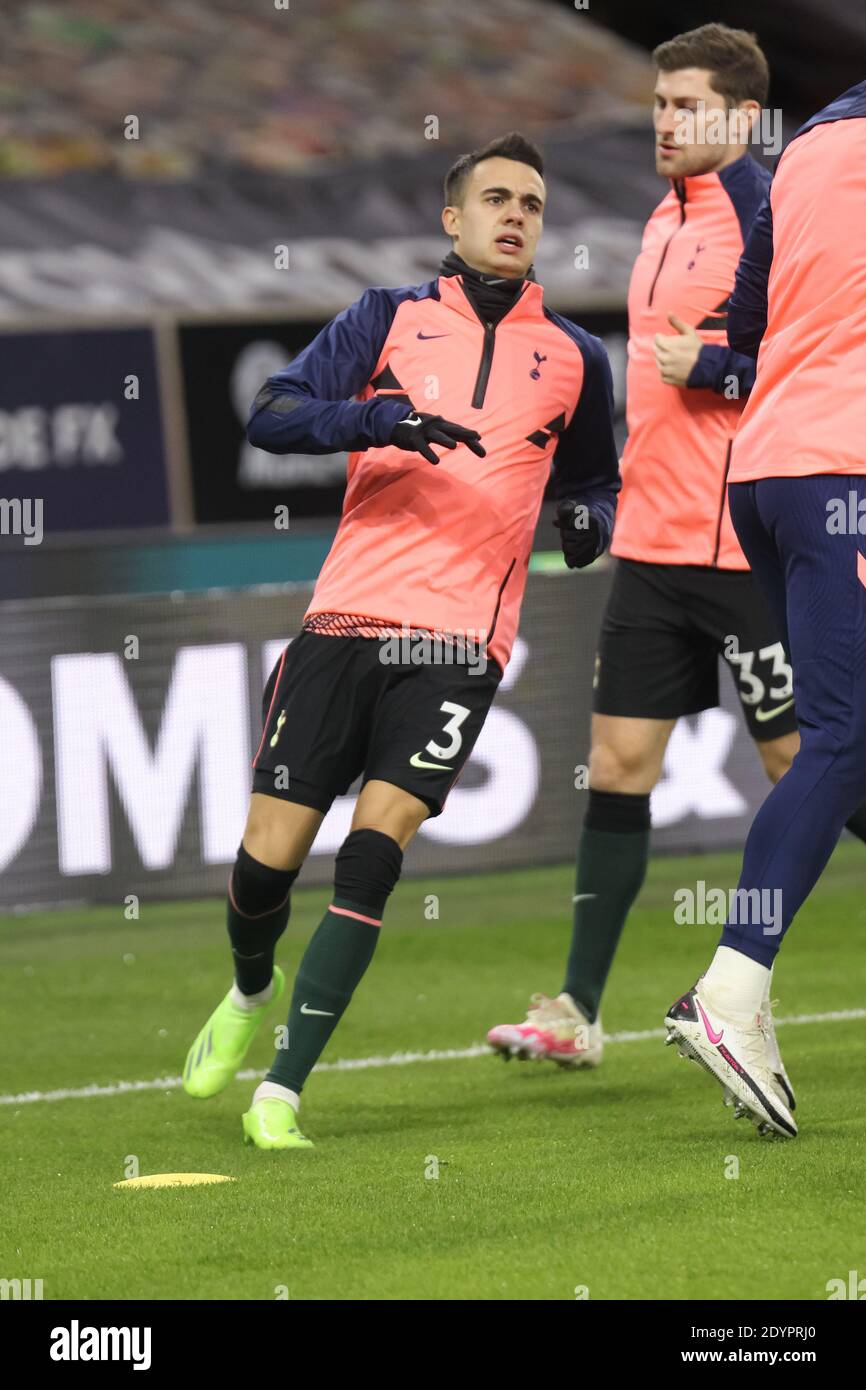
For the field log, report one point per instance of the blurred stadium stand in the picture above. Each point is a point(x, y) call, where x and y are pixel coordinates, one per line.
point(324, 129)
point(259, 126)
point(815, 51)
point(140, 309)
point(228, 85)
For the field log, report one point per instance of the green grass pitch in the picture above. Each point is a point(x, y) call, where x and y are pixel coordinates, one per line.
point(613, 1180)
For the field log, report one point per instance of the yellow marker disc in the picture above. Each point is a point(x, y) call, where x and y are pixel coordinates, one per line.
point(173, 1180)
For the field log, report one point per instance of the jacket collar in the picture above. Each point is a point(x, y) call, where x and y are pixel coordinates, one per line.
point(528, 303)
point(691, 185)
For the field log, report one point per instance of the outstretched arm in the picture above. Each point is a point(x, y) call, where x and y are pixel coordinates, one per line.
point(307, 407)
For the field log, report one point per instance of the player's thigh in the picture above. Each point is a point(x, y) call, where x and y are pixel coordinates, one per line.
point(280, 833)
point(745, 628)
point(761, 551)
point(826, 605)
point(653, 666)
point(426, 724)
point(317, 711)
point(627, 755)
point(389, 809)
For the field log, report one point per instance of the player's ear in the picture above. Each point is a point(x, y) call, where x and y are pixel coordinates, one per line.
point(451, 220)
point(751, 111)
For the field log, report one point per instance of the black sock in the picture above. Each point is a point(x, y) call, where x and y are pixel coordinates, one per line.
point(341, 948)
point(258, 911)
point(611, 866)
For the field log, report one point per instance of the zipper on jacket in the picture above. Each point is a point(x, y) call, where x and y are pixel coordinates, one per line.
point(682, 198)
point(484, 367)
point(499, 600)
point(715, 558)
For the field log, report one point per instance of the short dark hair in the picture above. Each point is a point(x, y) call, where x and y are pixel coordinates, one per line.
point(734, 58)
point(512, 146)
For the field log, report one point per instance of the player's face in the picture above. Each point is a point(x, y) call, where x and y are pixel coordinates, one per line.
point(496, 229)
point(694, 129)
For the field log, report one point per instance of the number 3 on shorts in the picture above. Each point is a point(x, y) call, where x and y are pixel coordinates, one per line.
point(447, 750)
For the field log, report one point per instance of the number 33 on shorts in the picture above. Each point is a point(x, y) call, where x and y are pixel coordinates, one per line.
point(753, 688)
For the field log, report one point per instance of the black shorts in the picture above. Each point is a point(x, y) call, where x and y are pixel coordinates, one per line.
point(663, 631)
point(333, 709)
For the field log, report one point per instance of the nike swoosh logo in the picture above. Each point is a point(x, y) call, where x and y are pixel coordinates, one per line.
point(762, 715)
point(713, 1036)
point(434, 335)
point(323, 1013)
point(417, 761)
point(579, 897)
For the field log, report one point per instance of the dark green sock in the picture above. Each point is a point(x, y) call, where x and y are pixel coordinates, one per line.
point(334, 962)
point(611, 866)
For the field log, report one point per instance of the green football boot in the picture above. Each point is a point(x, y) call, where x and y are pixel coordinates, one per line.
point(224, 1042)
point(273, 1124)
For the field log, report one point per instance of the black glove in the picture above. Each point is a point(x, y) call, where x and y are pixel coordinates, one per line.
point(417, 432)
point(582, 540)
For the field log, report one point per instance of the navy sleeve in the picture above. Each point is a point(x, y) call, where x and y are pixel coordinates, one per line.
point(585, 464)
point(716, 365)
point(307, 407)
point(747, 309)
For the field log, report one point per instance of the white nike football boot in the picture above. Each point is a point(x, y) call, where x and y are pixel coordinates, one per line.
point(736, 1051)
point(784, 1089)
point(781, 1081)
point(555, 1030)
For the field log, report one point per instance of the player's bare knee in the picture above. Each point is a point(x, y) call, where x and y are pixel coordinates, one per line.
point(399, 827)
point(279, 833)
point(391, 811)
point(625, 768)
point(265, 845)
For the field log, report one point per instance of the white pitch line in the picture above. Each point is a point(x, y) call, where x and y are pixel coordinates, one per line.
point(396, 1059)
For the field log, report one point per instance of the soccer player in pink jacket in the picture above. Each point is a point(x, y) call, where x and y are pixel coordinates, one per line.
point(453, 397)
point(683, 600)
point(797, 491)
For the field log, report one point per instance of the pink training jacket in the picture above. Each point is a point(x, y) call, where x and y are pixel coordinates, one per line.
point(800, 305)
point(673, 509)
point(445, 547)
